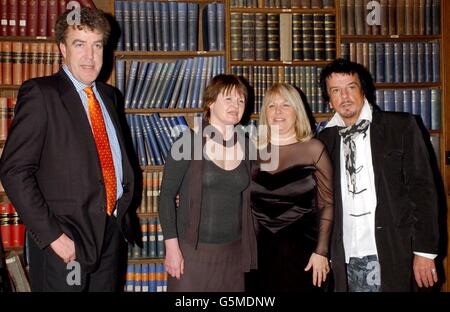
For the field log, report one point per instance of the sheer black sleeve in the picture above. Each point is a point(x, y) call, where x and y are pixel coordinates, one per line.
point(324, 175)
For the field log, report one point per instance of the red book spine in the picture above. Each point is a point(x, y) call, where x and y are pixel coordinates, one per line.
point(3, 18)
point(17, 229)
point(32, 18)
point(62, 6)
point(4, 225)
point(13, 17)
point(23, 8)
point(42, 18)
point(52, 16)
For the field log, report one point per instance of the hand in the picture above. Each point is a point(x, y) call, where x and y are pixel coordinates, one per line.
point(320, 267)
point(424, 271)
point(174, 261)
point(64, 247)
point(177, 200)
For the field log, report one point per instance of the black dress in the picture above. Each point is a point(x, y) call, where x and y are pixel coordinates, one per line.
point(293, 210)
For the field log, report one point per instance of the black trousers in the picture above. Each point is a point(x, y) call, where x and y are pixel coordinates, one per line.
point(48, 272)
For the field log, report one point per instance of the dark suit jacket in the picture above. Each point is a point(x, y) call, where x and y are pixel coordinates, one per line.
point(51, 171)
point(406, 211)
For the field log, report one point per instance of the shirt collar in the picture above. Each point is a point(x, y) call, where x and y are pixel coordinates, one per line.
point(366, 113)
point(79, 86)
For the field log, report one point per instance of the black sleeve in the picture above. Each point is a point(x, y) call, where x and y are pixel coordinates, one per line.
point(20, 162)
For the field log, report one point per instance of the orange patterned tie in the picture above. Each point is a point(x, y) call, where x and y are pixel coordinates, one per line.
point(103, 149)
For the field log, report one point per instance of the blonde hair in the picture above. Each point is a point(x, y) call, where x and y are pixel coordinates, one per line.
point(292, 96)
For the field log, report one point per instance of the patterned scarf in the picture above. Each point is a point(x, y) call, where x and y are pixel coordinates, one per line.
point(349, 135)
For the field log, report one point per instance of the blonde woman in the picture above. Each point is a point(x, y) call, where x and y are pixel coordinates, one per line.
point(293, 203)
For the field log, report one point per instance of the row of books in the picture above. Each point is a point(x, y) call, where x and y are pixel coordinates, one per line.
point(178, 84)
point(285, 36)
point(32, 17)
point(152, 240)
point(169, 26)
point(305, 78)
point(146, 277)
point(20, 61)
point(425, 103)
point(390, 17)
point(397, 62)
point(7, 106)
point(153, 136)
point(151, 186)
point(11, 226)
point(285, 4)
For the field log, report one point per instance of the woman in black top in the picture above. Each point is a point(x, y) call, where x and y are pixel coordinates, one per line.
point(209, 238)
point(291, 197)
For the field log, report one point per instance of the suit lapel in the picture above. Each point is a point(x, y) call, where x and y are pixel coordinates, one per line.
point(377, 143)
point(72, 102)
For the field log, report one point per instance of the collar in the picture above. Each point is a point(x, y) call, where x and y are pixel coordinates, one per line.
point(79, 86)
point(366, 113)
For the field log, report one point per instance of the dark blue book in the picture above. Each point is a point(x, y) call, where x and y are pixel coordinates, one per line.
point(192, 27)
point(146, 85)
point(398, 97)
point(184, 89)
point(173, 96)
point(157, 26)
point(380, 69)
point(150, 26)
point(151, 126)
point(416, 102)
point(141, 151)
point(118, 15)
point(134, 21)
point(435, 109)
point(407, 101)
point(165, 26)
point(167, 127)
point(220, 26)
point(131, 83)
point(163, 135)
point(389, 62)
point(173, 23)
point(120, 75)
point(428, 71)
point(406, 60)
point(436, 61)
point(389, 100)
point(182, 26)
point(138, 89)
point(413, 60)
point(143, 40)
point(425, 107)
point(398, 62)
point(151, 142)
point(420, 62)
point(172, 79)
point(126, 25)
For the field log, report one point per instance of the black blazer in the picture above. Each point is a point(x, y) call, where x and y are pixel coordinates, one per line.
point(406, 211)
point(51, 171)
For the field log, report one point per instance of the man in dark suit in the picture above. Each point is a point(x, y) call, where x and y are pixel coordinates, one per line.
point(65, 167)
point(385, 235)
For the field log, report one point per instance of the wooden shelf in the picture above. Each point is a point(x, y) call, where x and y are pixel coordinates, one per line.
point(9, 87)
point(278, 63)
point(146, 261)
point(147, 214)
point(164, 54)
point(152, 168)
point(19, 249)
point(283, 10)
point(28, 39)
point(408, 85)
point(163, 110)
point(372, 38)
